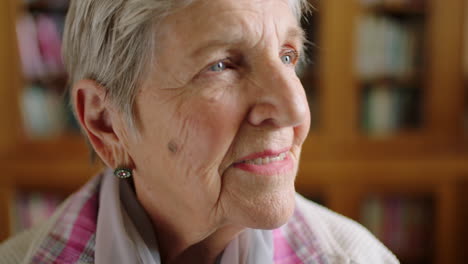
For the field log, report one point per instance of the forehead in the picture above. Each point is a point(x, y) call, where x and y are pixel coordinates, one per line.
point(226, 20)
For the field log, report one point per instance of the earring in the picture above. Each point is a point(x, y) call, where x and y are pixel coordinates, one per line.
point(123, 173)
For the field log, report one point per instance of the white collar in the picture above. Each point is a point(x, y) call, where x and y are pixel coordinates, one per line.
point(119, 240)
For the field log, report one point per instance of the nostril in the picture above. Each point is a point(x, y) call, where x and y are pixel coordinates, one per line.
point(269, 122)
point(270, 115)
point(261, 114)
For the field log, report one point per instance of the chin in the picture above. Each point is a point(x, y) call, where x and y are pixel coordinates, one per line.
point(270, 211)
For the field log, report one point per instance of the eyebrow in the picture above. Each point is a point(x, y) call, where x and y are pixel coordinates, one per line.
point(294, 33)
point(297, 33)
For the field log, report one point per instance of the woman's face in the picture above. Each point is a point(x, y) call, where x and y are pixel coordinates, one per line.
point(223, 115)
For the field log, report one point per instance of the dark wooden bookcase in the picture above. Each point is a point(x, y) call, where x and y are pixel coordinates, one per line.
point(342, 165)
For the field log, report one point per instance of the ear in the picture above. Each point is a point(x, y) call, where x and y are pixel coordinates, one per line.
point(100, 121)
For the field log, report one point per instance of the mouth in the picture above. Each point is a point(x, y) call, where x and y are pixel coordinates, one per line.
point(265, 159)
point(267, 162)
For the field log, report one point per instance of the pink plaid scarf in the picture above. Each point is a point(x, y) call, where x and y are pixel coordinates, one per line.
point(72, 240)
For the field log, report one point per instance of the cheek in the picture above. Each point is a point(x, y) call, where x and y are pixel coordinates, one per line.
point(206, 129)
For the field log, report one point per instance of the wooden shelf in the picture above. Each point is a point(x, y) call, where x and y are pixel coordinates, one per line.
point(414, 81)
point(416, 174)
point(63, 176)
point(70, 145)
point(42, 7)
point(57, 82)
point(401, 145)
point(398, 10)
point(62, 163)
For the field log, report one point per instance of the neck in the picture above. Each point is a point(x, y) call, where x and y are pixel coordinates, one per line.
point(184, 236)
point(199, 250)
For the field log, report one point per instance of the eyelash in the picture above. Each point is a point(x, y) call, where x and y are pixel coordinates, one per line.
point(292, 53)
point(226, 62)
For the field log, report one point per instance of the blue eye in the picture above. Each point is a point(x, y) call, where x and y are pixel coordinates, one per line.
point(218, 67)
point(286, 59)
point(290, 57)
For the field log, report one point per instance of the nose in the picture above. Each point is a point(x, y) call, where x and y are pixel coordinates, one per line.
point(279, 99)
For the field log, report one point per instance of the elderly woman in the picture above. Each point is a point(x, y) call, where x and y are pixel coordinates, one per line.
point(196, 108)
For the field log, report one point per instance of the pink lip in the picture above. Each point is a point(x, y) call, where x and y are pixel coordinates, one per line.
point(264, 154)
point(273, 168)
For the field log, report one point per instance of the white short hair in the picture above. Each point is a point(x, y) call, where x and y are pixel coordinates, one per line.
point(112, 43)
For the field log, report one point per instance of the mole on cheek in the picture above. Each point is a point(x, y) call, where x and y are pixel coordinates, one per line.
point(172, 146)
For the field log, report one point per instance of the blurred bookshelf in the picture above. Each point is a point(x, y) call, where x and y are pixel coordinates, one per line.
point(390, 66)
point(41, 150)
point(39, 27)
point(403, 224)
point(390, 150)
point(388, 95)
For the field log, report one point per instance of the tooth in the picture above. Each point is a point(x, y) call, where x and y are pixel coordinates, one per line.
point(258, 161)
point(266, 160)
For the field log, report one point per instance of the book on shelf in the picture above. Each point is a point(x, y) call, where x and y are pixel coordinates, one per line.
point(39, 41)
point(32, 208)
point(388, 47)
point(45, 113)
point(388, 108)
point(379, 117)
point(402, 224)
point(44, 106)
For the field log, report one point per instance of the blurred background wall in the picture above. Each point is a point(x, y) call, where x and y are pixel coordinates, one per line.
point(388, 147)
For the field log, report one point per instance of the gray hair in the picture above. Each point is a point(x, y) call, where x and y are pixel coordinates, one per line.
point(112, 42)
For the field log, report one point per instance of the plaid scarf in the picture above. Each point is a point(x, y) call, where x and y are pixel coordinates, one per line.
point(73, 237)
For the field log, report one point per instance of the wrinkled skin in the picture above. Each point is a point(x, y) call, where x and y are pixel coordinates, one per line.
point(197, 120)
